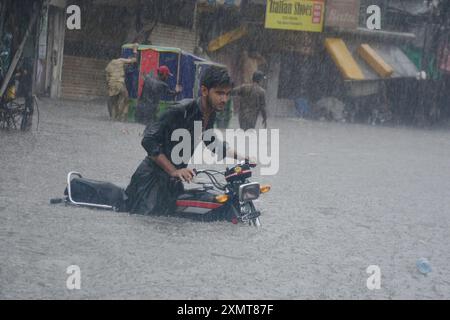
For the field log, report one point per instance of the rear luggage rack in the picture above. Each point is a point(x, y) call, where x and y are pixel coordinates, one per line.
point(69, 194)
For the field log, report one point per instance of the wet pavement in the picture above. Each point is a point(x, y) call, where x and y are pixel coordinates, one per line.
point(346, 197)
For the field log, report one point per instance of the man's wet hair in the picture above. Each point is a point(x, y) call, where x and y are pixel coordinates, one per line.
point(216, 76)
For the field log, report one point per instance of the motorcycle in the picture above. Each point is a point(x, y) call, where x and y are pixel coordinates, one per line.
point(232, 200)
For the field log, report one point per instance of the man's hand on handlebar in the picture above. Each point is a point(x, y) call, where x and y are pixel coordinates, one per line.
point(185, 175)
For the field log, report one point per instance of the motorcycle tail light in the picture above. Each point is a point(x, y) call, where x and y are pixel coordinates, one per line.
point(222, 198)
point(249, 192)
point(265, 188)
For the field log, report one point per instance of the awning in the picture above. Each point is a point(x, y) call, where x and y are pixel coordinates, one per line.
point(392, 55)
point(227, 38)
point(414, 7)
point(346, 57)
point(343, 59)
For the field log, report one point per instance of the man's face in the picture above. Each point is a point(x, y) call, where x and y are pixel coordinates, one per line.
point(164, 77)
point(217, 97)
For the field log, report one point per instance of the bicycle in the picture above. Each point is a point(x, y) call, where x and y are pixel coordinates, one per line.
point(14, 114)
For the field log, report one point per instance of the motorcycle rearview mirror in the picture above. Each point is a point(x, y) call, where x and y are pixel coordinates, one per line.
point(250, 164)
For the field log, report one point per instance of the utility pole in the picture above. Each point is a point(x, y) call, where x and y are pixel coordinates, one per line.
point(3, 6)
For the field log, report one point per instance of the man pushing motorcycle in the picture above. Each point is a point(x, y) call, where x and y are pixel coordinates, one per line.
point(156, 183)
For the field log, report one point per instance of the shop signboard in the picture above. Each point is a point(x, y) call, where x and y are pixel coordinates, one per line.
point(343, 14)
point(299, 15)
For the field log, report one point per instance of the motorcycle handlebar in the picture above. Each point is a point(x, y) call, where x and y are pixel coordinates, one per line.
point(247, 162)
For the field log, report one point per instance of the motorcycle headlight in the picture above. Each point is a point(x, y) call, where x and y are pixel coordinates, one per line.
point(249, 192)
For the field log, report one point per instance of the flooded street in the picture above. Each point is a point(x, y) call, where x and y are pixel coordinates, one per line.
point(346, 197)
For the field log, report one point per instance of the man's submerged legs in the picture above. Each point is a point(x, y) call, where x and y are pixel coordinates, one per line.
point(123, 104)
